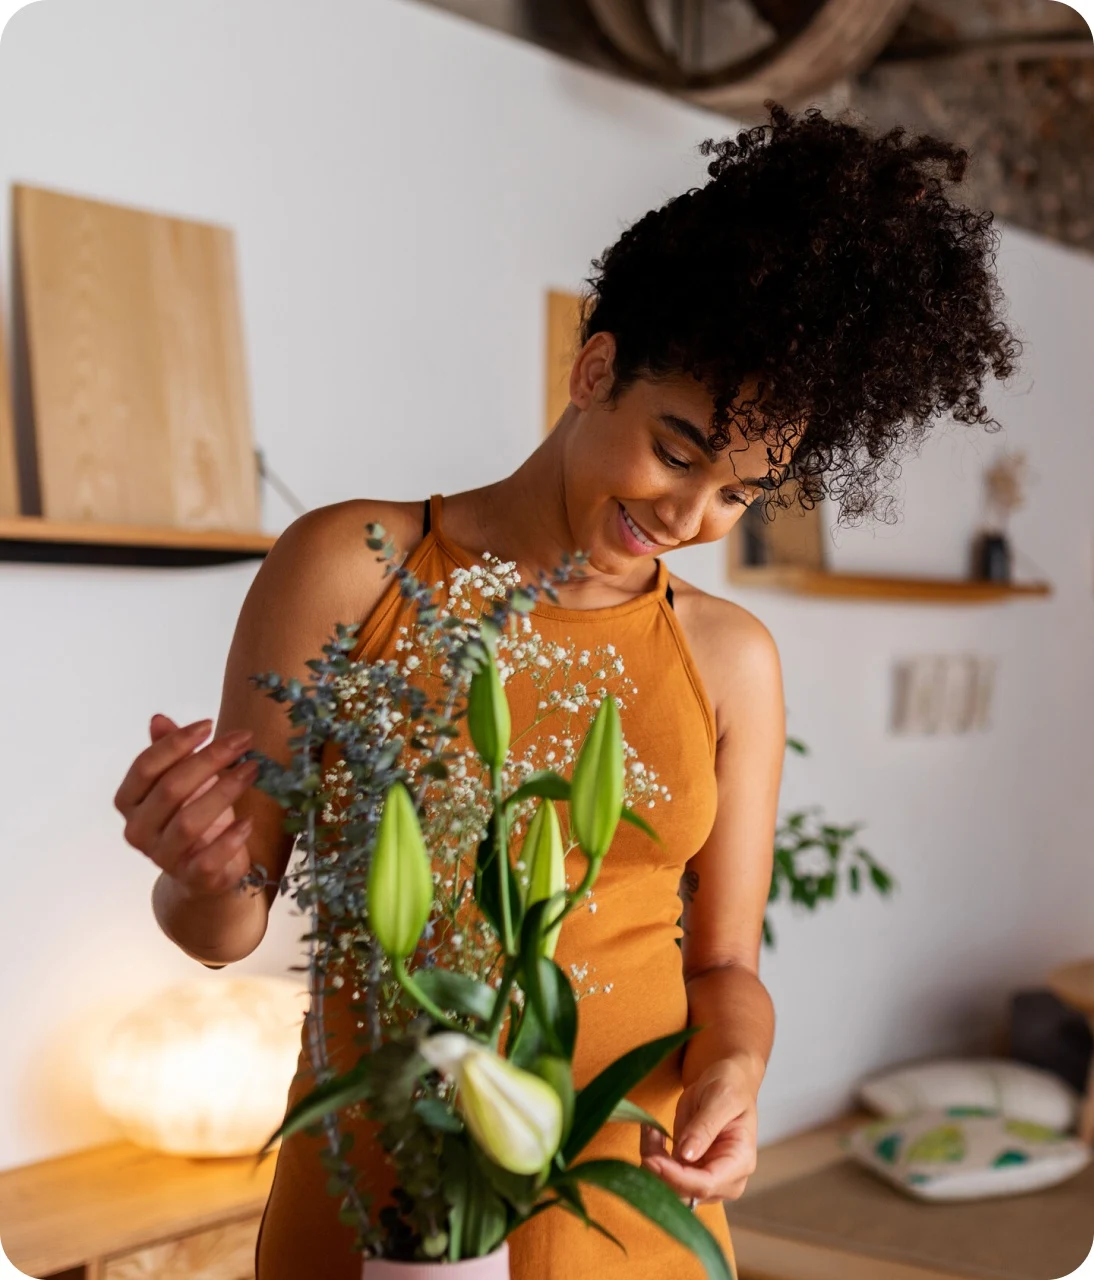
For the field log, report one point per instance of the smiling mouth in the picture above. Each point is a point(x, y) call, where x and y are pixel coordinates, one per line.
point(642, 534)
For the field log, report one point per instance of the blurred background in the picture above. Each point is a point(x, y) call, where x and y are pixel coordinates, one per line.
point(406, 182)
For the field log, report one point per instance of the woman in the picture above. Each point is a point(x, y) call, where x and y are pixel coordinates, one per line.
point(799, 319)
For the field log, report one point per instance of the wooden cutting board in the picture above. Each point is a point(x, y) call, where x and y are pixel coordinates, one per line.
point(137, 371)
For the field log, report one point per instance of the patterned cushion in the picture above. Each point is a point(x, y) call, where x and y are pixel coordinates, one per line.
point(1018, 1091)
point(966, 1153)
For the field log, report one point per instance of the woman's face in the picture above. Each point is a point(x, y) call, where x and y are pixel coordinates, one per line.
point(646, 455)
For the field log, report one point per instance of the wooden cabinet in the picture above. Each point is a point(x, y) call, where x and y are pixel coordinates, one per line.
point(222, 1253)
point(120, 1212)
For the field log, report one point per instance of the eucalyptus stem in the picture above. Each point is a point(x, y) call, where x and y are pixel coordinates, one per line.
point(317, 1040)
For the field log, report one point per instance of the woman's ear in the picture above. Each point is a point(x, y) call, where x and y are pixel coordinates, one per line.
point(592, 375)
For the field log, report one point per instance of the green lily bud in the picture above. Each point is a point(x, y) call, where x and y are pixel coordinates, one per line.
point(400, 882)
point(543, 855)
point(514, 1116)
point(596, 792)
point(488, 711)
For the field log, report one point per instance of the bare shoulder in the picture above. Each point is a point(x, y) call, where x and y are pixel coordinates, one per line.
point(736, 654)
point(323, 559)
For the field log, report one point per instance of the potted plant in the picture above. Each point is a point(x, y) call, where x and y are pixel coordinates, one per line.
point(471, 1025)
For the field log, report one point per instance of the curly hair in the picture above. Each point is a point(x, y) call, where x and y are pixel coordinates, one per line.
point(830, 264)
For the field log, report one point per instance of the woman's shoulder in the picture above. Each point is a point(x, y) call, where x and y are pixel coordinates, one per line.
point(321, 561)
point(732, 648)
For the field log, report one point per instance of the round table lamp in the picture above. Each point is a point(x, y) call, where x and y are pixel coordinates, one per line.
point(204, 1069)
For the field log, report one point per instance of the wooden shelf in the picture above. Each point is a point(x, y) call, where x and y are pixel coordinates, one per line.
point(37, 540)
point(812, 582)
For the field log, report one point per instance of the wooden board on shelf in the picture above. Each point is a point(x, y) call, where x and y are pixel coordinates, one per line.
point(9, 467)
point(34, 539)
point(563, 323)
point(137, 373)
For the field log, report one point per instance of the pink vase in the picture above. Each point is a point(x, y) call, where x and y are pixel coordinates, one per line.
point(495, 1266)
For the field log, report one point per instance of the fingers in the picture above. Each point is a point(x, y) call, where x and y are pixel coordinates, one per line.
point(153, 761)
point(173, 797)
point(719, 1180)
point(159, 726)
point(188, 829)
point(651, 1142)
point(220, 865)
point(702, 1116)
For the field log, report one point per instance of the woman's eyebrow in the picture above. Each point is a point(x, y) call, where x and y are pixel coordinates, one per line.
point(691, 433)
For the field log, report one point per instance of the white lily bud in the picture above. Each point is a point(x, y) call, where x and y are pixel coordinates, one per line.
point(513, 1115)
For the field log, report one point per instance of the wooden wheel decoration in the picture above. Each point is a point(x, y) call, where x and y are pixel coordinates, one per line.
point(787, 50)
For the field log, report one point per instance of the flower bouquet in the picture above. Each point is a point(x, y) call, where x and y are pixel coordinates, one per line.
point(469, 1025)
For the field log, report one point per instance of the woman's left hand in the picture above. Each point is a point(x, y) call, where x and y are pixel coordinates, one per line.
point(714, 1137)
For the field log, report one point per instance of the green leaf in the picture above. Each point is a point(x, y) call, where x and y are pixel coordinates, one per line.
point(654, 1199)
point(529, 1042)
point(856, 879)
point(345, 1090)
point(560, 1076)
point(626, 1111)
point(457, 991)
point(476, 1216)
point(543, 783)
point(437, 1115)
point(883, 882)
point(570, 1196)
point(552, 999)
point(487, 893)
point(795, 744)
point(596, 1102)
point(629, 815)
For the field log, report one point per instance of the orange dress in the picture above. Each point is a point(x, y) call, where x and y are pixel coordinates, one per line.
point(626, 946)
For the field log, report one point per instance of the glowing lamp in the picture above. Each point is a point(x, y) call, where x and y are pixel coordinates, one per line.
point(204, 1069)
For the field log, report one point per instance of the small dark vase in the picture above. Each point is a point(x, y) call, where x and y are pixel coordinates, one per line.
point(991, 559)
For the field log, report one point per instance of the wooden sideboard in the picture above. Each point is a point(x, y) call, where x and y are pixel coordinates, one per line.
point(120, 1212)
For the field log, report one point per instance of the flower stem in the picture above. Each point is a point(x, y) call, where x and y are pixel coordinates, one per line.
point(420, 998)
point(493, 1027)
point(502, 855)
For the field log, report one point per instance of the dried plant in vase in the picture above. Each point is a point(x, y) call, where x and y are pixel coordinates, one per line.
point(414, 896)
point(1004, 493)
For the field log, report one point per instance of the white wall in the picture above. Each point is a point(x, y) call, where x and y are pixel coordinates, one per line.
point(404, 186)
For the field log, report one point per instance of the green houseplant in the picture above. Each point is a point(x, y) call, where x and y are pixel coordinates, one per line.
point(813, 856)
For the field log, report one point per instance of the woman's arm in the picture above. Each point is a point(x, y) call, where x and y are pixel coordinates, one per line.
point(318, 573)
point(725, 890)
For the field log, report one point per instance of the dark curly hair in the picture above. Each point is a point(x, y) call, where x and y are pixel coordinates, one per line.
point(830, 263)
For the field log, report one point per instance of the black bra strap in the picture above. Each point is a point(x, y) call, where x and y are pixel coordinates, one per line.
point(668, 596)
point(425, 521)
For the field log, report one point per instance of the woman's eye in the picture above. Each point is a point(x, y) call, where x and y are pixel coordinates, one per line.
point(669, 459)
point(730, 498)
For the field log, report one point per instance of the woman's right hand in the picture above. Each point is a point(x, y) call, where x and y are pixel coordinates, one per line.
point(179, 812)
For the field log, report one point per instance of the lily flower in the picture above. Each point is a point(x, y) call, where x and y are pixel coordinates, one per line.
point(514, 1116)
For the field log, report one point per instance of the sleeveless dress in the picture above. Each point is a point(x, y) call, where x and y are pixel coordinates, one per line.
point(626, 946)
